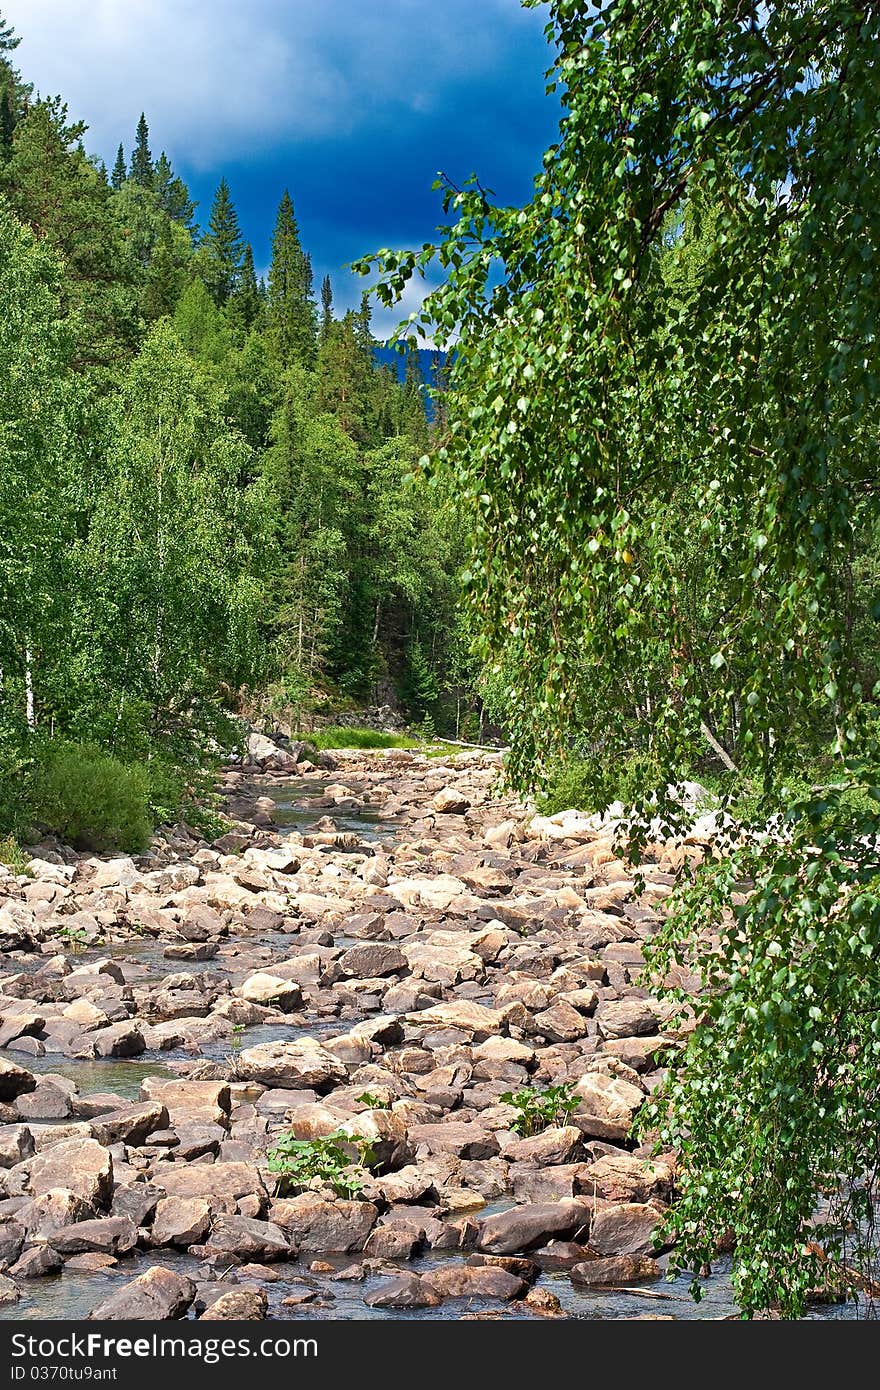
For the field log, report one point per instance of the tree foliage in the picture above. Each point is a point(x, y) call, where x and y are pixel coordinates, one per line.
point(663, 428)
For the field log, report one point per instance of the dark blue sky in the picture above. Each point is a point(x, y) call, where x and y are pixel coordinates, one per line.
point(352, 104)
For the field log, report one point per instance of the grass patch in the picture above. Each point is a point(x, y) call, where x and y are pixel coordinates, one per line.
point(344, 737)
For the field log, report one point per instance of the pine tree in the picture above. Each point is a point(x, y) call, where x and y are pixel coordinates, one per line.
point(245, 305)
point(291, 310)
point(120, 173)
point(326, 307)
point(53, 187)
point(9, 40)
point(222, 249)
point(141, 159)
point(7, 123)
point(172, 193)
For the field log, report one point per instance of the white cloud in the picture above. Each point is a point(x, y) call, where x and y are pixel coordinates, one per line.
point(218, 79)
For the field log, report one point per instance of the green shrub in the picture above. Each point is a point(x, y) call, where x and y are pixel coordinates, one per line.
point(340, 1160)
point(90, 799)
point(538, 1110)
point(13, 856)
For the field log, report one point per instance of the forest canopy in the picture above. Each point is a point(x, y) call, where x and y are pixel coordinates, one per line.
point(207, 504)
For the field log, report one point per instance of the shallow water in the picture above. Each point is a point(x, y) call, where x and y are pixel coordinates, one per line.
point(295, 808)
point(75, 1294)
point(121, 1077)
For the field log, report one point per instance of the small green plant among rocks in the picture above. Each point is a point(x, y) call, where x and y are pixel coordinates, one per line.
point(77, 939)
point(300, 1163)
point(538, 1110)
point(237, 1035)
point(370, 1101)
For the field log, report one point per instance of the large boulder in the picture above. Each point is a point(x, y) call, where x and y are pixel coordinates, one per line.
point(607, 1106)
point(181, 1221)
point(14, 1080)
point(190, 1102)
point(155, 1296)
point(82, 1166)
point(315, 1224)
point(525, 1228)
point(625, 1229)
point(303, 1065)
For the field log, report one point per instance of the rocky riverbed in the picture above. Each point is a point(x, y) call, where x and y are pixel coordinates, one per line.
point(383, 946)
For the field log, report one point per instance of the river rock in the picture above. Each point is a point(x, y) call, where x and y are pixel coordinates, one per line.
point(182, 1221)
point(626, 1018)
point(621, 1269)
point(109, 1235)
point(133, 1125)
point(9, 1292)
point(474, 1281)
point(554, 1145)
point(607, 1106)
point(14, 1080)
point(12, 1238)
point(300, 1065)
point(269, 990)
point(53, 1211)
point(524, 1228)
point(82, 1166)
point(238, 1305)
point(249, 1239)
point(625, 1229)
point(373, 959)
point(406, 1291)
point(221, 1184)
point(16, 1144)
point(315, 1224)
point(624, 1178)
point(155, 1296)
point(190, 1102)
point(119, 1040)
point(450, 802)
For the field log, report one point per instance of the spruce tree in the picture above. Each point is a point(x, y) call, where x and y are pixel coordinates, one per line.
point(222, 249)
point(141, 158)
point(245, 305)
point(120, 172)
point(7, 123)
point(326, 307)
point(172, 193)
point(291, 310)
